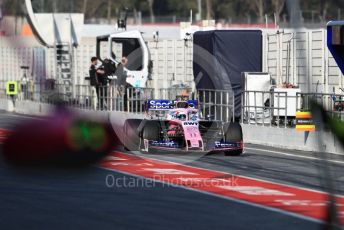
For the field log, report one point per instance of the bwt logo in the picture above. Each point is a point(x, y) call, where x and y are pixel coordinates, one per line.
point(190, 123)
point(160, 105)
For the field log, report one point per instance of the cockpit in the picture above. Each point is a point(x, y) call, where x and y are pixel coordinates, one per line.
point(182, 116)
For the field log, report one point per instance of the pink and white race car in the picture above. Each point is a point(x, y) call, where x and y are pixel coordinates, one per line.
point(176, 126)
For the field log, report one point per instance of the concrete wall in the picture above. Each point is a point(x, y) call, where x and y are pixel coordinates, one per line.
point(116, 119)
point(290, 139)
point(32, 108)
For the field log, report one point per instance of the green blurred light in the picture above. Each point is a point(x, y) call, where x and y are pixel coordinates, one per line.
point(337, 127)
point(89, 135)
point(85, 132)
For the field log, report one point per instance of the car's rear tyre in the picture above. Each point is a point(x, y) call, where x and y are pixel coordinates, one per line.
point(131, 140)
point(234, 134)
point(151, 131)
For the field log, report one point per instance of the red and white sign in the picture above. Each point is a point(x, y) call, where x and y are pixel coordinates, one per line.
point(288, 199)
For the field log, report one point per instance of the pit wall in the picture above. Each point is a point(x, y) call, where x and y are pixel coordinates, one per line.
point(32, 108)
point(289, 138)
point(286, 138)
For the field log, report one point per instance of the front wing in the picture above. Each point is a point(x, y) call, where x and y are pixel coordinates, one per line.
point(217, 146)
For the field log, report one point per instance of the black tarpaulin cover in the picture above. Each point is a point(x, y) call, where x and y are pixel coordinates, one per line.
point(221, 56)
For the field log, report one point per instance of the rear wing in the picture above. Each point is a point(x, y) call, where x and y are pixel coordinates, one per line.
point(165, 105)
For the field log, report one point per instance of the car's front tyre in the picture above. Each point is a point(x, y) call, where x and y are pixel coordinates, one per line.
point(131, 137)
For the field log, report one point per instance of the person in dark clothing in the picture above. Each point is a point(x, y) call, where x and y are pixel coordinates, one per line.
point(109, 69)
point(95, 73)
point(121, 82)
point(121, 73)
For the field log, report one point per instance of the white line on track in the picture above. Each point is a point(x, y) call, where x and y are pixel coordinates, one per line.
point(24, 116)
point(293, 155)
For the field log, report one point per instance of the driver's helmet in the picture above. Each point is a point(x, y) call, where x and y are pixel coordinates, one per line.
point(181, 116)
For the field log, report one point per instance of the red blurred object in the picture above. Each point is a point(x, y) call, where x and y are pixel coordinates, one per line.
point(57, 140)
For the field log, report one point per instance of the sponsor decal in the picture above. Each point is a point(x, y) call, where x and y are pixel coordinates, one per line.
point(190, 123)
point(160, 104)
point(166, 144)
point(167, 104)
point(304, 121)
point(220, 145)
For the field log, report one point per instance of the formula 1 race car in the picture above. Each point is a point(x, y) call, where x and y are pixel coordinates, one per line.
point(176, 125)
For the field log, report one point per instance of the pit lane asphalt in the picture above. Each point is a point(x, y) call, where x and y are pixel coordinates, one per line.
point(289, 167)
point(42, 198)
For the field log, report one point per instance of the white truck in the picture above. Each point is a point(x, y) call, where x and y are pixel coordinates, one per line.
point(63, 31)
point(129, 44)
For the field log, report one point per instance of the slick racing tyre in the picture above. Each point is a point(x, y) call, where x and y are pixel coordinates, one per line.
point(151, 131)
point(131, 139)
point(234, 134)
